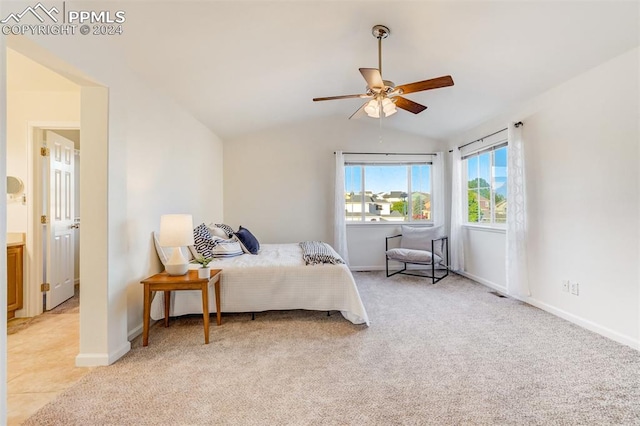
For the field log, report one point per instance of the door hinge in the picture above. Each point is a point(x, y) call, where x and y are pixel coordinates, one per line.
point(45, 287)
point(44, 151)
point(43, 219)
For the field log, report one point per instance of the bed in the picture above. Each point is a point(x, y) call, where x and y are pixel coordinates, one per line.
point(277, 278)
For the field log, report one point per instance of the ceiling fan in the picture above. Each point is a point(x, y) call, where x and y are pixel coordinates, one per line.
point(383, 95)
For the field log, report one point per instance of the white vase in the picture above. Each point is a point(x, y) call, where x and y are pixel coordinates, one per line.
point(204, 272)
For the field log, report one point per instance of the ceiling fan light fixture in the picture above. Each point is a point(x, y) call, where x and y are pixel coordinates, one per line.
point(375, 107)
point(372, 109)
point(390, 110)
point(388, 107)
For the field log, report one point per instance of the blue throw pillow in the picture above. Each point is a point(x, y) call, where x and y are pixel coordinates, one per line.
point(249, 243)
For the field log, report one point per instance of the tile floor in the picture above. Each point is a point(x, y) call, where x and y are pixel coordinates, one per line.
point(41, 362)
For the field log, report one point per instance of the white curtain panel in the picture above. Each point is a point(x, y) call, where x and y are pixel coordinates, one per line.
point(517, 270)
point(340, 228)
point(438, 189)
point(456, 243)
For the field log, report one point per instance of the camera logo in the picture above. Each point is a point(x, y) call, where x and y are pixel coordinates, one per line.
point(38, 11)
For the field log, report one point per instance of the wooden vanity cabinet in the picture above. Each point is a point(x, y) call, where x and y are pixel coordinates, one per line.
point(14, 279)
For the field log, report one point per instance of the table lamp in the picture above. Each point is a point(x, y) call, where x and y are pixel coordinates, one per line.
point(176, 231)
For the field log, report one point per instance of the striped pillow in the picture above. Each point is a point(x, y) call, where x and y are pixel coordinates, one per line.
point(221, 247)
point(208, 245)
point(202, 240)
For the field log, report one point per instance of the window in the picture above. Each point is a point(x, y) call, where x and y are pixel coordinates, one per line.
point(395, 192)
point(486, 192)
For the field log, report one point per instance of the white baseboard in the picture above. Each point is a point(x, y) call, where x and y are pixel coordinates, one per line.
point(366, 268)
point(102, 359)
point(92, 360)
point(120, 352)
point(585, 323)
point(134, 333)
point(482, 281)
point(392, 268)
point(582, 322)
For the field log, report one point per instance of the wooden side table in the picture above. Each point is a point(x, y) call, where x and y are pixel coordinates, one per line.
point(168, 283)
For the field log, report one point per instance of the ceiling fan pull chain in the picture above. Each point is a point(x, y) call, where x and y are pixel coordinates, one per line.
point(380, 121)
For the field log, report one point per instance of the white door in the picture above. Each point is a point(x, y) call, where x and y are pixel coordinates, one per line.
point(59, 232)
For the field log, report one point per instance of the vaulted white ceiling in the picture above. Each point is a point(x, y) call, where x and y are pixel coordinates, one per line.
point(244, 66)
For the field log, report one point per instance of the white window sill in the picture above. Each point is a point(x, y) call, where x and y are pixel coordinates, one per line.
point(383, 223)
point(486, 228)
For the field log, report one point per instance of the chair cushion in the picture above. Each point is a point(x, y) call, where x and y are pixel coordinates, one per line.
point(410, 255)
point(420, 238)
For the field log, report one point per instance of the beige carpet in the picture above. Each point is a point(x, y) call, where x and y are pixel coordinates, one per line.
point(444, 354)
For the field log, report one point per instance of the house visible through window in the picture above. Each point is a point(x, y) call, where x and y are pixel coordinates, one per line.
point(388, 192)
point(486, 189)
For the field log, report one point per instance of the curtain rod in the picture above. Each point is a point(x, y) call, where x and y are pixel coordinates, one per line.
point(388, 153)
point(518, 124)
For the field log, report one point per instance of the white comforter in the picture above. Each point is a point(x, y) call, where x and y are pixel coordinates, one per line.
point(274, 279)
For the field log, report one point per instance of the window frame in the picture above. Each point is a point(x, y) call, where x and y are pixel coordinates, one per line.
point(492, 224)
point(400, 162)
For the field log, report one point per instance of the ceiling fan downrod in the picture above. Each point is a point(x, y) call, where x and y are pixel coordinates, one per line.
point(380, 32)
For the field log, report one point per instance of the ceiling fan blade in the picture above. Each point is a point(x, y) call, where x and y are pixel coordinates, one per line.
point(331, 98)
point(373, 77)
point(408, 105)
point(360, 112)
point(434, 83)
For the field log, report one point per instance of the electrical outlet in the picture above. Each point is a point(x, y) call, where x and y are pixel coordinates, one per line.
point(575, 289)
point(565, 285)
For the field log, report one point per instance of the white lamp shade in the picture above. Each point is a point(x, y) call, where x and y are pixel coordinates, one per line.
point(373, 108)
point(388, 107)
point(176, 230)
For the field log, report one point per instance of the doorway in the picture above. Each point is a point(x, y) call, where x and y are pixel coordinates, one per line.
point(45, 267)
point(58, 154)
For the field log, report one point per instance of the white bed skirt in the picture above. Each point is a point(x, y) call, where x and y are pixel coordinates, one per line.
point(274, 279)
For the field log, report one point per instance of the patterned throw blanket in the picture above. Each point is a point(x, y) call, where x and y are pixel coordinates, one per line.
point(317, 252)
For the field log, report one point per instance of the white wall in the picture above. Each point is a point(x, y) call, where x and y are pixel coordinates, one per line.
point(173, 165)
point(279, 183)
point(583, 203)
point(151, 158)
point(484, 254)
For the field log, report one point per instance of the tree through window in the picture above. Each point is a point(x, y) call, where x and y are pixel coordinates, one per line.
point(486, 176)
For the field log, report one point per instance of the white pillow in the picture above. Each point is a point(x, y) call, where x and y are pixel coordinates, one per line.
point(217, 232)
point(420, 238)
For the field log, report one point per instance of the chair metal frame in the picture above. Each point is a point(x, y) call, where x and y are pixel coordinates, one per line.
point(404, 271)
